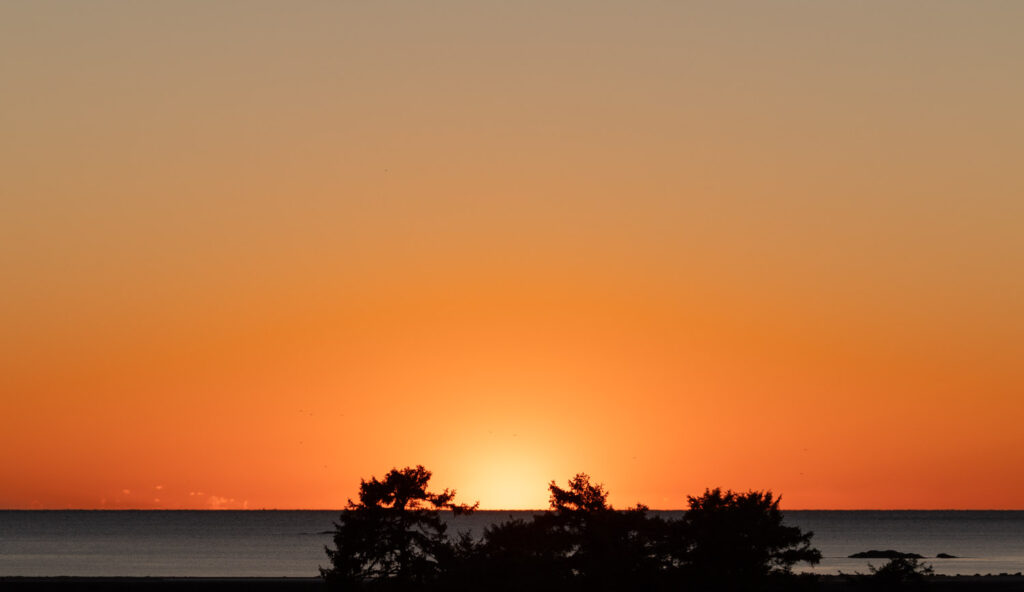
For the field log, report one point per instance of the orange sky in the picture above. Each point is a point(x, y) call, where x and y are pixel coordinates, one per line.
point(252, 253)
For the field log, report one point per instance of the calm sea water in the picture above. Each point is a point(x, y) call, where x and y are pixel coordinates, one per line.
point(290, 543)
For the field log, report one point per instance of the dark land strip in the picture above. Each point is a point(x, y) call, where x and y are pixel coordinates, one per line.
point(830, 583)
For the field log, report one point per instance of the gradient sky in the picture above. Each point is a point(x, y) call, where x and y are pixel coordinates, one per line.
point(254, 251)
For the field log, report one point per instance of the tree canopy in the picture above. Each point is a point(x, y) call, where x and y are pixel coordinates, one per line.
point(730, 540)
point(395, 538)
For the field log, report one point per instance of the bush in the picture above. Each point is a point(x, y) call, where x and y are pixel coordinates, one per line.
point(737, 541)
point(899, 573)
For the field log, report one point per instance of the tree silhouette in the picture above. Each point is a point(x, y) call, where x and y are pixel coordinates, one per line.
point(608, 549)
point(736, 541)
point(393, 538)
point(581, 497)
point(516, 555)
point(580, 543)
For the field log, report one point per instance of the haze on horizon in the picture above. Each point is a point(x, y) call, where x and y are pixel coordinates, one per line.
point(255, 252)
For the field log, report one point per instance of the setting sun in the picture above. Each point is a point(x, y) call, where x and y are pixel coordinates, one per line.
point(509, 477)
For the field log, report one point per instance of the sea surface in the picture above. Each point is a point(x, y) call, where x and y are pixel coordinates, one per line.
point(291, 543)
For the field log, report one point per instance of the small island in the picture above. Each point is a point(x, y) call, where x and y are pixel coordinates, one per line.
point(887, 554)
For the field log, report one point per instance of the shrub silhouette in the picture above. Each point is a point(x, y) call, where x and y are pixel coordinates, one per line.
point(737, 541)
point(393, 538)
point(899, 573)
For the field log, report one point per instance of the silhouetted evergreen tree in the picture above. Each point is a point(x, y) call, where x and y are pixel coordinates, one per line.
point(608, 549)
point(581, 543)
point(737, 541)
point(515, 555)
point(393, 538)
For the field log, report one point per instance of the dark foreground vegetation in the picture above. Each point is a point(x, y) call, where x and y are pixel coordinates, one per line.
point(393, 538)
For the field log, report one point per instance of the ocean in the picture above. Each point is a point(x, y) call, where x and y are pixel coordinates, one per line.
point(291, 543)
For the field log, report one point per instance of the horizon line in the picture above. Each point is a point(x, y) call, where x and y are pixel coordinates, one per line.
point(490, 509)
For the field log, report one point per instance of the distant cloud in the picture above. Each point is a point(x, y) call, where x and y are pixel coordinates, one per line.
point(217, 502)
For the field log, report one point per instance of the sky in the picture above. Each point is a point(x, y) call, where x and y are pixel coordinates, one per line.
point(253, 252)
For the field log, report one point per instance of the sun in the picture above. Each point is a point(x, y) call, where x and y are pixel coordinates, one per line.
point(506, 478)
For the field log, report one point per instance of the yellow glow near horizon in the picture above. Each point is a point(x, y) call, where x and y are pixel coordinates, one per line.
point(512, 477)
